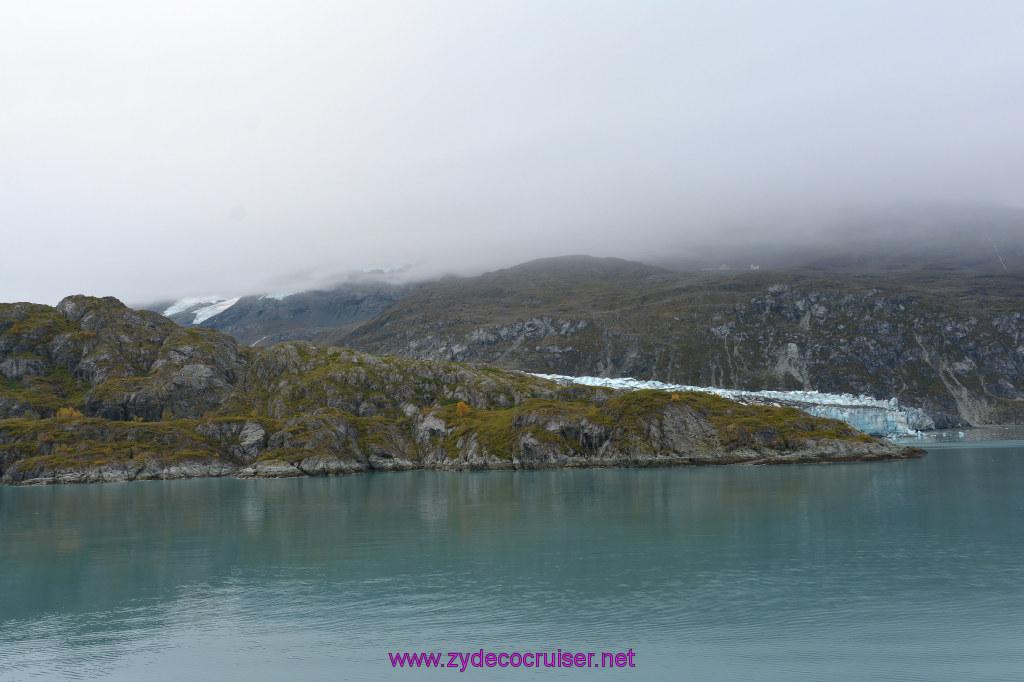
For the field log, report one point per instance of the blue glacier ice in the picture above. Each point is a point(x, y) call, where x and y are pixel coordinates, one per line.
point(885, 418)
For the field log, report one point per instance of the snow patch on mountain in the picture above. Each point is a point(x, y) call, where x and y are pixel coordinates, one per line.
point(184, 304)
point(209, 311)
point(886, 418)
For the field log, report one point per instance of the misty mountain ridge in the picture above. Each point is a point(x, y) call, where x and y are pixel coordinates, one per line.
point(913, 248)
point(946, 238)
point(324, 316)
point(923, 306)
point(270, 318)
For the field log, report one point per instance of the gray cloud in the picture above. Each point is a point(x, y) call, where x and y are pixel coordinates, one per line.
point(167, 149)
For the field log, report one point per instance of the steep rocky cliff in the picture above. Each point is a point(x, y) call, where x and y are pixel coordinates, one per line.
point(93, 390)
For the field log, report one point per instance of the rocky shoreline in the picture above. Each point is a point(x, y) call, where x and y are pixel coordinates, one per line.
point(317, 465)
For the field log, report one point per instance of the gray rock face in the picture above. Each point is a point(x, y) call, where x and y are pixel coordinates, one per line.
point(241, 442)
point(15, 369)
point(429, 426)
point(251, 440)
point(135, 364)
point(164, 368)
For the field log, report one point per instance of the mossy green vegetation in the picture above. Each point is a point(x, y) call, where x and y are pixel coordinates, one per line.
point(628, 419)
point(63, 443)
point(745, 425)
point(493, 430)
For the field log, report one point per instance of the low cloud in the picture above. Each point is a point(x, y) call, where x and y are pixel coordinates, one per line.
point(155, 151)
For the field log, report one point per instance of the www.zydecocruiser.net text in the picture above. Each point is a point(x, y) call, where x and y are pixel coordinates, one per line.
point(461, 660)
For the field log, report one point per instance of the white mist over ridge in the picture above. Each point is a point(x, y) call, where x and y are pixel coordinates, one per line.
point(886, 418)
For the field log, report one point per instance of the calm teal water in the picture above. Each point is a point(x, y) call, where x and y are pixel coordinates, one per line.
point(893, 570)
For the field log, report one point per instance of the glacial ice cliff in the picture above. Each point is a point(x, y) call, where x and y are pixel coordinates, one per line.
point(886, 418)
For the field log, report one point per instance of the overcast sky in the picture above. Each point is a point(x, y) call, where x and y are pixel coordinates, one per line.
point(162, 149)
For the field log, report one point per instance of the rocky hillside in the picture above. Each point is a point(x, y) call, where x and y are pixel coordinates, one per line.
point(92, 390)
point(951, 343)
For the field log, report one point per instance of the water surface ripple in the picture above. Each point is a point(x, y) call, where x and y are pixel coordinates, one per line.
point(892, 570)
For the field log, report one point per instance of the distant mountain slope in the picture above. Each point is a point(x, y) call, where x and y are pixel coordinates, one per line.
point(950, 343)
point(268, 319)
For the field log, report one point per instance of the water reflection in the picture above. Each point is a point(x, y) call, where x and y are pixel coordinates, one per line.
point(714, 569)
point(962, 436)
